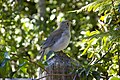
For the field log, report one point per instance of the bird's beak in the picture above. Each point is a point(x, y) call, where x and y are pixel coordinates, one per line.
point(70, 22)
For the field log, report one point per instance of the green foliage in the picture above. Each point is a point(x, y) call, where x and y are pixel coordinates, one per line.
point(103, 46)
point(94, 44)
point(115, 78)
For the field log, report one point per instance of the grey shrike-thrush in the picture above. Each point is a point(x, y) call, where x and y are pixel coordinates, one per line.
point(58, 39)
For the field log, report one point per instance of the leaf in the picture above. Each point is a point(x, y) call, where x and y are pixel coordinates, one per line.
point(80, 70)
point(6, 55)
point(90, 55)
point(13, 48)
point(88, 6)
point(41, 64)
point(96, 75)
point(5, 60)
point(89, 77)
point(95, 9)
point(3, 63)
point(102, 18)
point(83, 76)
point(49, 55)
point(12, 73)
point(4, 71)
point(114, 34)
point(2, 42)
point(88, 70)
point(100, 68)
point(20, 65)
point(89, 44)
point(24, 69)
point(114, 78)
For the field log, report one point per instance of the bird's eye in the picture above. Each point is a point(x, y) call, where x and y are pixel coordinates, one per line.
point(68, 24)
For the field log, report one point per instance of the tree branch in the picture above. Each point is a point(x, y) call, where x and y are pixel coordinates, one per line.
point(103, 56)
point(36, 64)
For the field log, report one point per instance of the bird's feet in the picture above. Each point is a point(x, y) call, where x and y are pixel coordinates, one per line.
point(60, 51)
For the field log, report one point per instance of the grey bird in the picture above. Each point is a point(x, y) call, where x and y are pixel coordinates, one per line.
point(58, 39)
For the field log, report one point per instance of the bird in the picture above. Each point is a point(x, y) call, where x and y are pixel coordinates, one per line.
point(58, 40)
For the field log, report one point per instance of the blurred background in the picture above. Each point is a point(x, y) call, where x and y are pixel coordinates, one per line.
point(95, 44)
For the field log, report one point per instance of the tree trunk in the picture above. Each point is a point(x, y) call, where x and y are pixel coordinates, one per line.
point(42, 8)
point(59, 68)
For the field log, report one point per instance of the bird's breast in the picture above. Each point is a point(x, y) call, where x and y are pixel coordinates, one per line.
point(62, 43)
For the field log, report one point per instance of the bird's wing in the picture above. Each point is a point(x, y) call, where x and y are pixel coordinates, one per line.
point(54, 36)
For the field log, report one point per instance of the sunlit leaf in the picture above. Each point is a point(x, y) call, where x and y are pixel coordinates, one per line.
point(90, 55)
point(24, 69)
point(89, 44)
point(23, 29)
point(114, 78)
point(90, 8)
point(96, 8)
point(102, 18)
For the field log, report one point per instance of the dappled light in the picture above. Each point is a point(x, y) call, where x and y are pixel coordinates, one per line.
point(94, 44)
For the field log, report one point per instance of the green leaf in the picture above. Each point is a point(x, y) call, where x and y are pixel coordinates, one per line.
point(90, 8)
point(22, 64)
point(100, 68)
point(89, 44)
point(4, 71)
point(96, 7)
point(2, 42)
point(41, 65)
point(96, 75)
point(90, 55)
point(83, 75)
point(114, 78)
point(89, 77)
point(6, 59)
point(3, 63)
point(88, 70)
point(24, 69)
point(80, 70)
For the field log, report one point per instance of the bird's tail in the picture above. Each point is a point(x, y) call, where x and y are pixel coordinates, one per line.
point(42, 52)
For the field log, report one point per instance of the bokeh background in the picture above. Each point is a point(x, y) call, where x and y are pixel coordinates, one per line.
point(95, 43)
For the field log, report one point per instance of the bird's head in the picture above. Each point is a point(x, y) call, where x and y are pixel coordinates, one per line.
point(65, 25)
